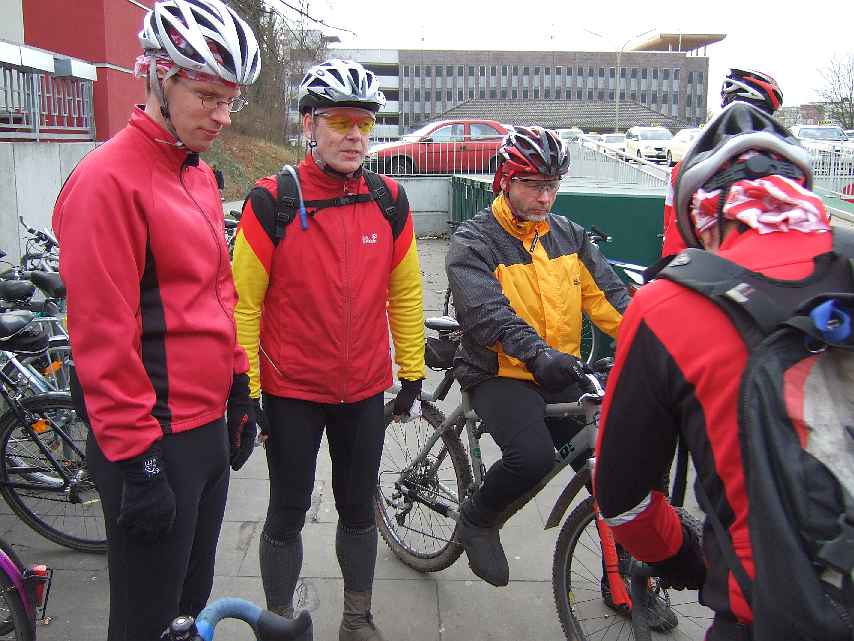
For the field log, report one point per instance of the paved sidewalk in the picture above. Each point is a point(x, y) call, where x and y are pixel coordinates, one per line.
point(452, 605)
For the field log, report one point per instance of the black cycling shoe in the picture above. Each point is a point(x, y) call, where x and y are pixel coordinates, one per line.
point(484, 551)
point(660, 616)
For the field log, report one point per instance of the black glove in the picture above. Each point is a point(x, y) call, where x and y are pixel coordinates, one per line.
point(147, 510)
point(555, 370)
point(240, 417)
point(686, 569)
point(409, 391)
point(261, 418)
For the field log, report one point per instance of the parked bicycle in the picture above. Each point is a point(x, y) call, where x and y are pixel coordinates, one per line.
point(266, 625)
point(43, 473)
point(426, 473)
point(24, 592)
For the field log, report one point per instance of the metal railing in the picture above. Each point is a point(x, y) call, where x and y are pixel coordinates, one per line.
point(589, 158)
point(41, 106)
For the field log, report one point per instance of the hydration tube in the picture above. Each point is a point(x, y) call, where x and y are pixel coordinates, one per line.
point(303, 216)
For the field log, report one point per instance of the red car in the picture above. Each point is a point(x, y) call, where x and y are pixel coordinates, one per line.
point(444, 147)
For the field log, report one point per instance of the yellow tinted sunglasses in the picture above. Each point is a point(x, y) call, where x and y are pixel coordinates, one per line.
point(343, 123)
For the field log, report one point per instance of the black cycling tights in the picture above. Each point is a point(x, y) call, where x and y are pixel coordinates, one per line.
point(514, 412)
point(152, 584)
point(355, 432)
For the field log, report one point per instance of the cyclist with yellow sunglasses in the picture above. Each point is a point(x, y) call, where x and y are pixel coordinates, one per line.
point(313, 314)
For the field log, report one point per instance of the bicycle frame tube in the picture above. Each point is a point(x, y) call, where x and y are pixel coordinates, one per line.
point(36, 381)
point(8, 567)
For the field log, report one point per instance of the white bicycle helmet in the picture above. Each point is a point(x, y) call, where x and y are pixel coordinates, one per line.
point(185, 29)
point(340, 83)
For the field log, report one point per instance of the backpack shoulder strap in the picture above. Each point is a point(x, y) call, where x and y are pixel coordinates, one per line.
point(380, 193)
point(286, 203)
point(731, 287)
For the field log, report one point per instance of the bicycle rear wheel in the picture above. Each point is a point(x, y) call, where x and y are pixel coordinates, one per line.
point(66, 512)
point(576, 582)
point(409, 509)
point(13, 616)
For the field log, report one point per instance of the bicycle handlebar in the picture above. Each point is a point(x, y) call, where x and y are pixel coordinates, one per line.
point(266, 625)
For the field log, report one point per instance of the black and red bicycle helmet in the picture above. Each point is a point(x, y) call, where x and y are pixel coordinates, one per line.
point(531, 150)
point(754, 87)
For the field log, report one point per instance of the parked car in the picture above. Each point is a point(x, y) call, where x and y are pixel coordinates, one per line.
point(681, 143)
point(592, 140)
point(614, 143)
point(651, 143)
point(822, 137)
point(570, 135)
point(444, 147)
point(850, 134)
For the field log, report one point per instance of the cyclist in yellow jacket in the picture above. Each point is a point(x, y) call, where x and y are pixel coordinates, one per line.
point(316, 298)
point(521, 277)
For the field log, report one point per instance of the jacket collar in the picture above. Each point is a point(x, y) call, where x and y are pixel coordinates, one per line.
point(175, 156)
point(328, 181)
point(521, 229)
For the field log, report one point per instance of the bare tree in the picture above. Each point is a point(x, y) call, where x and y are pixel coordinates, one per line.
point(838, 90)
point(288, 48)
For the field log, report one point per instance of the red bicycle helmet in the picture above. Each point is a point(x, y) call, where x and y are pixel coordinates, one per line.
point(754, 87)
point(531, 150)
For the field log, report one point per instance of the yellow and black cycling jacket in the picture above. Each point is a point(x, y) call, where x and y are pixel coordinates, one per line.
point(313, 312)
point(520, 286)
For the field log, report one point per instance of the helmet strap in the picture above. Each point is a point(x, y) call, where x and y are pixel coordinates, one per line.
point(158, 87)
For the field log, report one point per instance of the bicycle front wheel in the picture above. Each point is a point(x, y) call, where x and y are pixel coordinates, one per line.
point(15, 622)
point(59, 500)
point(413, 509)
point(579, 598)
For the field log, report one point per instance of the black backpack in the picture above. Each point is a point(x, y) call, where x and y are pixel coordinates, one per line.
point(287, 203)
point(796, 434)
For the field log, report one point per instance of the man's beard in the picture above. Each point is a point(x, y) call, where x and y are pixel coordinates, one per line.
point(534, 218)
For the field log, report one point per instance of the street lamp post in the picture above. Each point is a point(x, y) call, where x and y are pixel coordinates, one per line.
point(617, 77)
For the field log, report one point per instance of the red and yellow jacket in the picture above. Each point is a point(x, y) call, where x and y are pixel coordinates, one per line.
point(520, 286)
point(150, 295)
point(314, 311)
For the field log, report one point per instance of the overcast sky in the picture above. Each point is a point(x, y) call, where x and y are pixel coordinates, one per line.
point(790, 43)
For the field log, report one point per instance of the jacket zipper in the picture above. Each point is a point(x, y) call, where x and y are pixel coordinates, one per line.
point(347, 293)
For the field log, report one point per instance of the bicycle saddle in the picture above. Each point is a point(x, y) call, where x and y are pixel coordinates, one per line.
point(49, 282)
point(16, 290)
point(442, 324)
point(13, 322)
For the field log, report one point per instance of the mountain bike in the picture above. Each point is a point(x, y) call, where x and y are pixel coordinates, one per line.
point(24, 594)
point(426, 473)
point(266, 625)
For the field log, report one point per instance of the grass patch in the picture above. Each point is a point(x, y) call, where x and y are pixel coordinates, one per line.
point(244, 159)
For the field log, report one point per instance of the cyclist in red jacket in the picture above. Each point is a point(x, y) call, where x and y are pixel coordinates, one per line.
point(150, 314)
point(743, 194)
point(317, 299)
point(753, 87)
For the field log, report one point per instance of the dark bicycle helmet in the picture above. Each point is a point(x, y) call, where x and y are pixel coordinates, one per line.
point(754, 87)
point(711, 163)
point(340, 83)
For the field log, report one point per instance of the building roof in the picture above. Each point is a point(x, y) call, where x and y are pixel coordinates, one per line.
point(562, 114)
point(679, 41)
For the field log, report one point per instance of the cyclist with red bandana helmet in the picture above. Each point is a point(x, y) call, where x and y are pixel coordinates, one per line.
point(753, 87)
point(150, 313)
point(521, 278)
point(743, 193)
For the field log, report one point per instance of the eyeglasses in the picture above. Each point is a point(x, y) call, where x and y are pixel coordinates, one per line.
point(343, 123)
point(212, 103)
point(540, 186)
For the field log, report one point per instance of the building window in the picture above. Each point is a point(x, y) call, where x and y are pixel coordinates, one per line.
point(428, 71)
point(633, 96)
point(601, 72)
point(601, 95)
point(558, 71)
point(699, 77)
point(515, 93)
point(418, 71)
point(548, 71)
point(504, 70)
point(690, 77)
point(676, 74)
point(655, 74)
point(482, 70)
point(525, 94)
point(643, 73)
point(492, 70)
point(526, 71)
point(460, 70)
point(459, 95)
point(665, 98)
point(536, 92)
point(675, 98)
point(406, 95)
point(515, 70)
point(590, 95)
point(622, 95)
point(688, 100)
point(580, 72)
point(612, 72)
point(406, 71)
point(482, 93)
point(579, 94)
point(537, 70)
point(471, 94)
point(622, 73)
point(665, 74)
point(449, 71)
point(589, 72)
point(438, 71)
point(611, 94)
point(438, 95)
point(493, 94)
point(644, 97)
point(504, 94)
point(449, 95)
point(471, 70)
point(547, 93)
point(634, 74)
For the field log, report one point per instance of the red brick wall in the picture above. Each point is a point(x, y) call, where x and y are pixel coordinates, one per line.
point(97, 31)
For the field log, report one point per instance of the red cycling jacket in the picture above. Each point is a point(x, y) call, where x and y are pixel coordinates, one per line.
point(678, 368)
point(673, 242)
point(150, 294)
